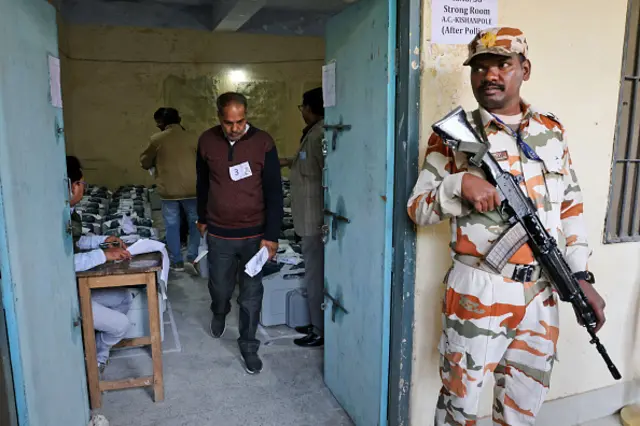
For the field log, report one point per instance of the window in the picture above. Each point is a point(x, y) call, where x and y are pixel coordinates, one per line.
point(622, 223)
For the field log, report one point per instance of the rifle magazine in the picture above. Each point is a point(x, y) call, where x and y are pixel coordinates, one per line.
point(506, 246)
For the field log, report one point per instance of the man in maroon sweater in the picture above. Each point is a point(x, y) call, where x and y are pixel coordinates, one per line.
point(240, 206)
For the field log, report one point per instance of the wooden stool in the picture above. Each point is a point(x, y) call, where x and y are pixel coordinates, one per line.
point(139, 270)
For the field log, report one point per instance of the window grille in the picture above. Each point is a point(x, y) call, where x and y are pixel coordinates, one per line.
point(622, 223)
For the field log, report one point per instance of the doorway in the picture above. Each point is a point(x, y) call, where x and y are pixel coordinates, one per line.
point(368, 293)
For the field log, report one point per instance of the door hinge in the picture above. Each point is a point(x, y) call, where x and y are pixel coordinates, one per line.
point(335, 218)
point(77, 322)
point(335, 305)
point(336, 129)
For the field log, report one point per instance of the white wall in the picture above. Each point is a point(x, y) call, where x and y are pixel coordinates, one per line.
point(576, 52)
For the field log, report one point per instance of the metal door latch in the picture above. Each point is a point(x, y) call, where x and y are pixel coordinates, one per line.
point(325, 147)
point(335, 218)
point(336, 129)
point(325, 233)
point(77, 321)
point(335, 305)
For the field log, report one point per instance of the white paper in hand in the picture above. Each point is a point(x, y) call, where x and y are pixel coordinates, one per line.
point(254, 266)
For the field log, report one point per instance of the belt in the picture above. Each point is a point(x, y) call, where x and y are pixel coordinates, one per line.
point(512, 271)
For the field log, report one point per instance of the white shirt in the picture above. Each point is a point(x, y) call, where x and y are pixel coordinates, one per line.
point(93, 258)
point(510, 119)
point(246, 129)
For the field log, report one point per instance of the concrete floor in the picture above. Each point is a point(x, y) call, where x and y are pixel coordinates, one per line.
point(613, 420)
point(205, 383)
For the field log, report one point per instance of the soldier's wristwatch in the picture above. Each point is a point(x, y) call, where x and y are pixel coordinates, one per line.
point(586, 276)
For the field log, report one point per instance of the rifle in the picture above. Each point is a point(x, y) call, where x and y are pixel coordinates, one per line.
point(525, 225)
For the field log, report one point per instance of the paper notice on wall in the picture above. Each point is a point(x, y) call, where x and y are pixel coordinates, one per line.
point(458, 21)
point(54, 82)
point(329, 84)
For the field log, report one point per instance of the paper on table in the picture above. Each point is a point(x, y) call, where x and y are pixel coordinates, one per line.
point(288, 256)
point(127, 225)
point(254, 266)
point(146, 245)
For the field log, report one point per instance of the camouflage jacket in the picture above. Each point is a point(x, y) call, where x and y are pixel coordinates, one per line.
point(552, 185)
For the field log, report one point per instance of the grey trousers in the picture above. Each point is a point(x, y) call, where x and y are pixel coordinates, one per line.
point(110, 308)
point(225, 257)
point(313, 254)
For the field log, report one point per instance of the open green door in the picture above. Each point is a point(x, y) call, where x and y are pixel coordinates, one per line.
point(360, 41)
point(39, 295)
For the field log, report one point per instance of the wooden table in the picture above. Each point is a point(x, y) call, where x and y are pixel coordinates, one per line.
point(140, 270)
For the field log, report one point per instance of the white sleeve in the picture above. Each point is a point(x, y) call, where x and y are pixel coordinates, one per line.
point(89, 260)
point(89, 242)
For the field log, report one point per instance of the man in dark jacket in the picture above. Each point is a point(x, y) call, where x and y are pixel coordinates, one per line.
point(240, 206)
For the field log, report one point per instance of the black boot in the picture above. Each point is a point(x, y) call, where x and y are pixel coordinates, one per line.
point(311, 340)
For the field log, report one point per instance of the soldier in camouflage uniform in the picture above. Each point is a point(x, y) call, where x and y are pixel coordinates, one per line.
point(501, 323)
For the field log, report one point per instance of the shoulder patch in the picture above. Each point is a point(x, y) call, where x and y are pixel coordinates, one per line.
point(553, 117)
point(555, 120)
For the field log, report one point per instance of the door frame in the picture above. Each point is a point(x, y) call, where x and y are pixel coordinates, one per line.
point(6, 374)
point(407, 132)
point(11, 321)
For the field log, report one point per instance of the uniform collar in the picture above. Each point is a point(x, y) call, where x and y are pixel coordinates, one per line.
point(488, 119)
point(310, 127)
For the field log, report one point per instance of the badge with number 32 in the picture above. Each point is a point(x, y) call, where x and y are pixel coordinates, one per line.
point(241, 171)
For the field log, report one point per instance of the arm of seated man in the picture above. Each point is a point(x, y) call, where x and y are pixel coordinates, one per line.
point(93, 258)
point(90, 242)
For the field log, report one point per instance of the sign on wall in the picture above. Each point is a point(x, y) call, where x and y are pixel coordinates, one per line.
point(458, 21)
point(329, 84)
point(55, 89)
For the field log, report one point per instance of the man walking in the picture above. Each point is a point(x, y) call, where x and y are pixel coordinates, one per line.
point(307, 207)
point(240, 205)
point(498, 323)
point(172, 153)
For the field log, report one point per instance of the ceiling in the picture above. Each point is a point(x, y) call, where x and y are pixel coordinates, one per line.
point(284, 17)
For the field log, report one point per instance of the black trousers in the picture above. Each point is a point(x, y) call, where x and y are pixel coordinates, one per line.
point(313, 254)
point(225, 257)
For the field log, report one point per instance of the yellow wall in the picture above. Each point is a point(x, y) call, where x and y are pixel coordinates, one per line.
point(114, 78)
point(576, 51)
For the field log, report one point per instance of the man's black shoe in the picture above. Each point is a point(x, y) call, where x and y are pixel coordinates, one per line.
point(217, 326)
point(252, 362)
point(311, 340)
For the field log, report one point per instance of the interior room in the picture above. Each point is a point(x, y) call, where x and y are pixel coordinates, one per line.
point(120, 62)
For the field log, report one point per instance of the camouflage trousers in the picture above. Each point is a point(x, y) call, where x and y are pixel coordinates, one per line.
point(492, 325)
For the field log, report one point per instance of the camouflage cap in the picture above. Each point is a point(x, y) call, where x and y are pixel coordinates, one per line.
point(502, 41)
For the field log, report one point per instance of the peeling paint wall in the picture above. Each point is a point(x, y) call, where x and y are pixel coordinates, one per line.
point(576, 51)
point(114, 78)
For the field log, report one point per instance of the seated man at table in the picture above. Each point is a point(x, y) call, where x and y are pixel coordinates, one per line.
point(110, 306)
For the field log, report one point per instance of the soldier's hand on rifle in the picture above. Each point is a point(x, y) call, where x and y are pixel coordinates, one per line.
point(480, 193)
point(596, 302)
